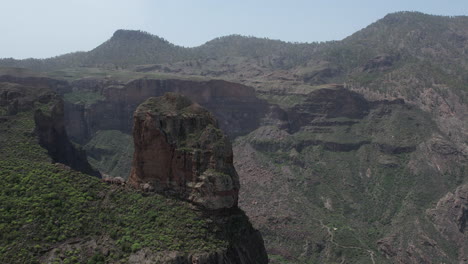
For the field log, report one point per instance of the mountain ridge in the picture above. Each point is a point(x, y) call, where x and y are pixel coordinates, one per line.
point(243, 46)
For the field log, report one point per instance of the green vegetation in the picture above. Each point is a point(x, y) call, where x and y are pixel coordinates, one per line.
point(17, 140)
point(82, 97)
point(43, 205)
point(351, 180)
point(111, 152)
point(277, 259)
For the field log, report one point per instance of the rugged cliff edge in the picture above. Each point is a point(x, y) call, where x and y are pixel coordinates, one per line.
point(34, 97)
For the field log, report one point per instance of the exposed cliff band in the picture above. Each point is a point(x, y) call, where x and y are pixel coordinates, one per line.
point(179, 148)
point(34, 96)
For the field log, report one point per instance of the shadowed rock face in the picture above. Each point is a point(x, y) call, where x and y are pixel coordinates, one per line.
point(328, 103)
point(179, 147)
point(53, 137)
point(235, 106)
point(23, 95)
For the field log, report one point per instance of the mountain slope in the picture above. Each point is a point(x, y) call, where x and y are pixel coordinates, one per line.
point(410, 33)
point(135, 47)
point(342, 179)
point(124, 48)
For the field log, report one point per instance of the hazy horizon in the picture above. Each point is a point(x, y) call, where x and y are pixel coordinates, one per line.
point(51, 27)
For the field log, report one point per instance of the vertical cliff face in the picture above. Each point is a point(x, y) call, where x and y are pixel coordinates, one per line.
point(52, 136)
point(75, 122)
point(179, 148)
point(235, 106)
point(34, 97)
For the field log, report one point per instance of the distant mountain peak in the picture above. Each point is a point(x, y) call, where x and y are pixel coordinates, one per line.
point(124, 34)
point(415, 17)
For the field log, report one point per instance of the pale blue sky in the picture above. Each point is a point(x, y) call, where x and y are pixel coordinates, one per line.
point(45, 28)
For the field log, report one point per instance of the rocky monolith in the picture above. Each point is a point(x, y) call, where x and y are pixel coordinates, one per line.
point(180, 149)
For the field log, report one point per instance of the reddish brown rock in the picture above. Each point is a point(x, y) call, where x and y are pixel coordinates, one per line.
point(179, 148)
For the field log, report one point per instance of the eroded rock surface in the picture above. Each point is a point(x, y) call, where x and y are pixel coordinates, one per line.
point(450, 217)
point(179, 148)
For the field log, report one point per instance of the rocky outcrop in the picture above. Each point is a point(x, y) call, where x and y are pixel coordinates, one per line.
point(16, 97)
point(24, 95)
point(328, 103)
point(380, 63)
point(179, 148)
point(450, 217)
